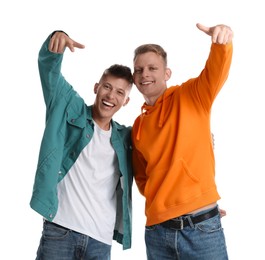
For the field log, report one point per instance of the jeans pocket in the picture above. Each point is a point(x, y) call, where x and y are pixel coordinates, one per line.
point(55, 232)
point(210, 225)
point(150, 228)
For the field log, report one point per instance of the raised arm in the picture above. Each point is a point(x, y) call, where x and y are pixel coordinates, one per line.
point(54, 85)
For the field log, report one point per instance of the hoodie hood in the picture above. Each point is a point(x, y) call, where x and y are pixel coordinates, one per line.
point(148, 109)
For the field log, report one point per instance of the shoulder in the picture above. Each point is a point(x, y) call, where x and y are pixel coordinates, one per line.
point(120, 127)
point(122, 130)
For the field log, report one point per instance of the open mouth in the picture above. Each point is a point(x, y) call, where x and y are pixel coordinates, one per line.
point(147, 82)
point(108, 104)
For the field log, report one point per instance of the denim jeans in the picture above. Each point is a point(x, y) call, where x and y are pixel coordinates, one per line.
point(202, 241)
point(59, 243)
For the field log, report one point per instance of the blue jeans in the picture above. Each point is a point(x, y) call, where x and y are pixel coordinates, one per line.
point(202, 241)
point(59, 243)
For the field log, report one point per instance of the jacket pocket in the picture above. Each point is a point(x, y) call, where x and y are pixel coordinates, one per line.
point(75, 125)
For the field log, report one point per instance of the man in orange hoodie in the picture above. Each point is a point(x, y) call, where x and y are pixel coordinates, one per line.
point(173, 155)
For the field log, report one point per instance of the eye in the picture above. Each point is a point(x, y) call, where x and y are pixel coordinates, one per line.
point(137, 71)
point(106, 86)
point(153, 68)
point(121, 93)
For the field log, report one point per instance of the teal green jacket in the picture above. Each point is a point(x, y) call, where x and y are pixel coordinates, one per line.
point(69, 128)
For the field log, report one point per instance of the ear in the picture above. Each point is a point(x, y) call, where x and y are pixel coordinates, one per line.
point(96, 88)
point(168, 73)
point(126, 101)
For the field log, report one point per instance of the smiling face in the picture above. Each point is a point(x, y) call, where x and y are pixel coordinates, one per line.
point(150, 75)
point(111, 94)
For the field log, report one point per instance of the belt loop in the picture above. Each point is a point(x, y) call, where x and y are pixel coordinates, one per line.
point(181, 223)
point(190, 221)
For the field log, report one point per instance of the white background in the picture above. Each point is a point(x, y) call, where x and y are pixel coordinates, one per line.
point(111, 30)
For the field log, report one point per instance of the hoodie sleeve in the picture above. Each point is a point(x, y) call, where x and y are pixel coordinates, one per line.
point(139, 166)
point(207, 85)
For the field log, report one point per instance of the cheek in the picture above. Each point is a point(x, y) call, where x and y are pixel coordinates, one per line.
point(136, 78)
point(121, 102)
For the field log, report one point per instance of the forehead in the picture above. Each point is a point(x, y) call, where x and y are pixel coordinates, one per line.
point(148, 59)
point(115, 82)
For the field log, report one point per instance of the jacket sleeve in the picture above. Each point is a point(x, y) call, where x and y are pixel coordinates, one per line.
point(62, 104)
point(54, 85)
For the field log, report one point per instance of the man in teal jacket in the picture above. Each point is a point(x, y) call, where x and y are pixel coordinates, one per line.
point(83, 181)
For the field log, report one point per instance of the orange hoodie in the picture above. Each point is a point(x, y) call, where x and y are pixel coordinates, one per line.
point(173, 158)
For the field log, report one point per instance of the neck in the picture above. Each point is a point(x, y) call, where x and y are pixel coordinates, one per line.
point(151, 100)
point(102, 124)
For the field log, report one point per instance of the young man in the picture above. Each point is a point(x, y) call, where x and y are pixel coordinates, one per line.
point(83, 180)
point(173, 156)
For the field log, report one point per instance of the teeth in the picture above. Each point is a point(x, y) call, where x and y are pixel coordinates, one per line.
point(108, 104)
point(147, 82)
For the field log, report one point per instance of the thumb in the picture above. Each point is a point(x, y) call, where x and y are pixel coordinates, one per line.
point(204, 29)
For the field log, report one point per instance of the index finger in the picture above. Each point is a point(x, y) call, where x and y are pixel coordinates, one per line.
point(78, 45)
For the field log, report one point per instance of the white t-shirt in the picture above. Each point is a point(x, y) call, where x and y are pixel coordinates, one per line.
point(87, 194)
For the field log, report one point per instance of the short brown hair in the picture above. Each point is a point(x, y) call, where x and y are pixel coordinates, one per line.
point(150, 47)
point(119, 71)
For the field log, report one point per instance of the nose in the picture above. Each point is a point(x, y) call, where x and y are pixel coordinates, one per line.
point(145, 72)
point(110, 94)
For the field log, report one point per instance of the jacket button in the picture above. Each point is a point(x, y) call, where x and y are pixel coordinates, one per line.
point(88, 135)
